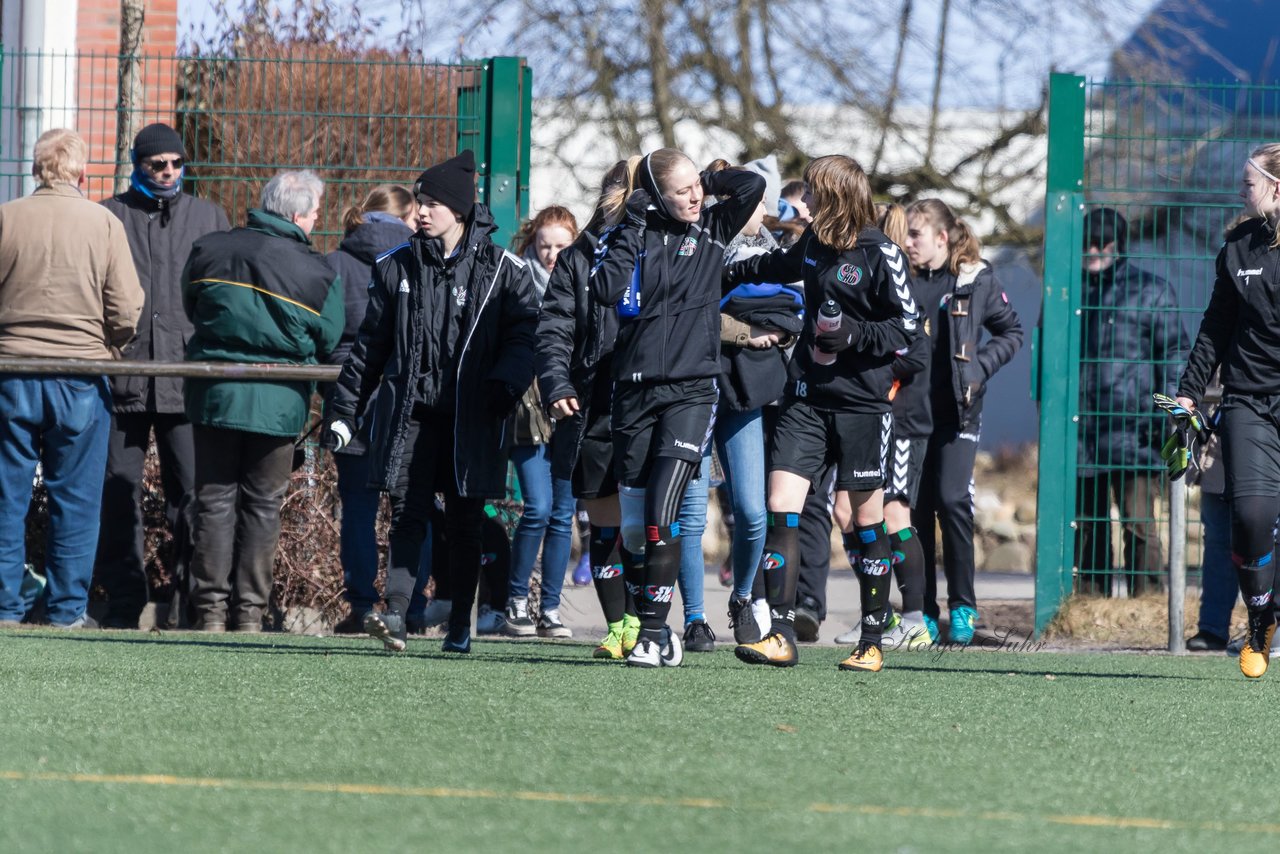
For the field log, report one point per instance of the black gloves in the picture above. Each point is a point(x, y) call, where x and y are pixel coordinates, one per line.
point(835, 340)
point(501, 397)
point(638, 207)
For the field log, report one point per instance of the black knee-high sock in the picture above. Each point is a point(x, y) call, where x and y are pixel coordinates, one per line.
point(662, 568)
point(873, 558)
point(1257, 580)
point(633, 576)
point(780, 566)
point(606, 572)
point(908, 568)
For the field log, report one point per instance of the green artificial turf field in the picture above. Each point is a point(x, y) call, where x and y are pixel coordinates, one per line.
point(135, 742)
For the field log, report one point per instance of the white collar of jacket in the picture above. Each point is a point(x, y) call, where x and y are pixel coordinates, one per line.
point(969, 273)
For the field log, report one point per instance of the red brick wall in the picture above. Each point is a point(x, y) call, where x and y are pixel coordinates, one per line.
point(98, 42)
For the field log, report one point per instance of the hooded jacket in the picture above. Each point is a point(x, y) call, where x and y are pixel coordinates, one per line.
point(1131, 346)
point(1241, 326)
point(870, 284)
point(353, 261)
point(258, 294)
point(972, 302)
point(665, 280)
point(161, 233)
point(498, 328)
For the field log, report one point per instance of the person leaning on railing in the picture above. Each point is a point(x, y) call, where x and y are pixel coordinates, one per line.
point(68, 290)
point(260, 293)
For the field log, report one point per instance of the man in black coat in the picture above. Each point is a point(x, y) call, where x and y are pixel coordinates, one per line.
point(447, 343)
point(1132, 342)
point(161, 222)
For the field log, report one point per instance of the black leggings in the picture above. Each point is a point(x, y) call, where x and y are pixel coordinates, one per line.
point(1253, 525)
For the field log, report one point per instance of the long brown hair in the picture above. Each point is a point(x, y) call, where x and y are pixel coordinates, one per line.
point(841, 206)
point(616, 184)
point(892, 219)
point(1268, 157)
point(552, 215)
point(386, 198)
point(963, 247)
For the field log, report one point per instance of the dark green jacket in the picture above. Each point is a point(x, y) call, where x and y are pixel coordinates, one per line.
point(258, 294)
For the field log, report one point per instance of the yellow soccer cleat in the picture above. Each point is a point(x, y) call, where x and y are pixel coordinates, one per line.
point(774, 649)
point(1254, 661)
point(630, 633)
point(611, 646)
point(866, 657)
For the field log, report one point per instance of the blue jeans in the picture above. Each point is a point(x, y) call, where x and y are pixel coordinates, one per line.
point(61, 423)
point(1218, 584)
point(740, 442)
point(359, 549)
point(693, 521)
point(549, 508)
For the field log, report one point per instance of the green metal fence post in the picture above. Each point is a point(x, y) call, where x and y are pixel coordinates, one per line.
point(504, 143)
point(1058, 381)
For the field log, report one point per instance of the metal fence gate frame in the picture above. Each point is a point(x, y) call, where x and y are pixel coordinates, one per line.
point(1173, 153)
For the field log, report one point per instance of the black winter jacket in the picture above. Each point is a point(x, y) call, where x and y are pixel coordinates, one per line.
point(353, 260)
point(1241, 327)
point(912, 409)
point(670, 324)
point(1131, 346)
point(160, 236)
point(576, 335)
point(499, 325)
point(975, 303)
point(870, 284)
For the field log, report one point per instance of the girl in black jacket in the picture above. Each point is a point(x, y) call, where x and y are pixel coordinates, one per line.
point(385, 219)
point(576, 335)
point(945, 255)
point(662, 267)
point(1240, 333)
point(837, 409)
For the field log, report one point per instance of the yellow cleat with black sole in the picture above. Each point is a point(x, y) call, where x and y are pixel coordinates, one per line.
point(867, 657)
point(1254, 661)
point(775, 649)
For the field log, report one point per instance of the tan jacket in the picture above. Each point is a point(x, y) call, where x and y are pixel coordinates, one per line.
point(68, 288)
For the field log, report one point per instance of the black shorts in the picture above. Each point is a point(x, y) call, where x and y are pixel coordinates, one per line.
point(652, 420)
point(903, 470)
point(593, 475)
point(807, 440)
point(1250, 429)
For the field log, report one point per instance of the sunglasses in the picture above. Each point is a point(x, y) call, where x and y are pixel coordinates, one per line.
point(159, 163)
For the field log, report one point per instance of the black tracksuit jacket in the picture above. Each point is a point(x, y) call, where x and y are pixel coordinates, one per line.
point(871, 284)
point(1241, 326)
point(670, 324)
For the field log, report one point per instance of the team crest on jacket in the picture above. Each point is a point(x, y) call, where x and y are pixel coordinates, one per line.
point(849, 274)
point(687, 247)
point(459, 292)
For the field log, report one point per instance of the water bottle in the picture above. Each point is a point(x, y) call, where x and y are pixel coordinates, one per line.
point(829, 318)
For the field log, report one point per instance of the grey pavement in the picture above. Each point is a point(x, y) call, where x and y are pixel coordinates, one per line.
point(580, 610)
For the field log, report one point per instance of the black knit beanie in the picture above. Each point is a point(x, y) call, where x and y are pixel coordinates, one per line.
point(156, 139)
point(452, 183)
